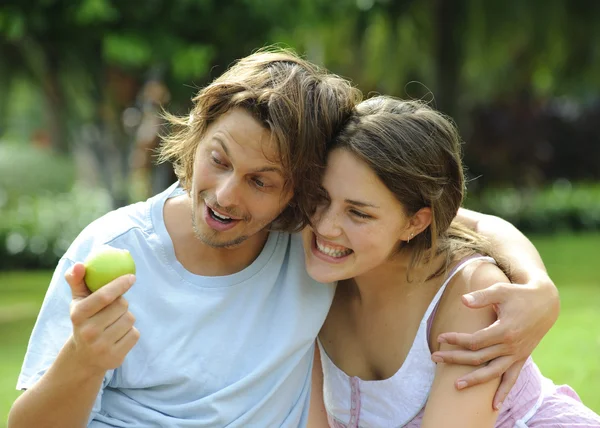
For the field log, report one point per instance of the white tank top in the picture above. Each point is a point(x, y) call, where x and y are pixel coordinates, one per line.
point(392, 402)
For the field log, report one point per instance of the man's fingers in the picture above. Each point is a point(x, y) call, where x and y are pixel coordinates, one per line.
point(121, 326)
point(469, 358)
point(488, 296)
point(127, 342)
point(493, 370)
point(508, 381)
point(97, 301)
point(480, 339)
point(110, 314)
point(74, 278)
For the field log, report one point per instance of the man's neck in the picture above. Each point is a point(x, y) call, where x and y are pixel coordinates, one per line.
point(200, 258)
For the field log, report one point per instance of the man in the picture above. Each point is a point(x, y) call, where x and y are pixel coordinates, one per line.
point(225, 314)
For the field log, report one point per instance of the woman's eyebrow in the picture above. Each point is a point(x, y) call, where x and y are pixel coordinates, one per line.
point(360, 204)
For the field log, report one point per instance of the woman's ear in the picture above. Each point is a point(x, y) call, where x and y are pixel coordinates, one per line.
point(420, 221)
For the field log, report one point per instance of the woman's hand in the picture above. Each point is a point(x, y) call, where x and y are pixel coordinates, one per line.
point(525, 314)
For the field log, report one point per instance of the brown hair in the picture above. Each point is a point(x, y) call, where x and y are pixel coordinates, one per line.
point(416, 152)
point(302, 105)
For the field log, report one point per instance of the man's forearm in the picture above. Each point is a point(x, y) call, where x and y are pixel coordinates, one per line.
point(525, 262)
point(63, 397)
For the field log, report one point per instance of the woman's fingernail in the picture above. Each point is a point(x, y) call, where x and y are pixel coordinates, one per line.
point(461, 384)
point(442, 340)
point(470, 299)
point(437, 359)
point(498, 406)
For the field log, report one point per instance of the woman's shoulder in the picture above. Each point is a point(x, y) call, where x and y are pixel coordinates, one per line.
point(477, 273)
point(452, 313)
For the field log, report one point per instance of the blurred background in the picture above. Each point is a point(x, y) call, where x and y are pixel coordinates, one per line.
point(82, 81)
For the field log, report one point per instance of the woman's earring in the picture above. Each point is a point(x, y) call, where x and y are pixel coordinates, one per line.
point(410, 237)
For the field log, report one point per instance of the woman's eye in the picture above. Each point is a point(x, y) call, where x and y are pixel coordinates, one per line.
point(359, 214)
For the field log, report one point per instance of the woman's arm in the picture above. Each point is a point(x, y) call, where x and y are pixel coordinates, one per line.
point(526, 309)
point(317, 415)
point(447, 406)
point(450, 408)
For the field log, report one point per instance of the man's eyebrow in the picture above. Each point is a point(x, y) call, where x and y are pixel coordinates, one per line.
point(263, 169)
point(222, 143)
point(360, 204)
point(270, 169)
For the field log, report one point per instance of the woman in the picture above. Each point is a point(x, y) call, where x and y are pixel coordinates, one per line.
point(394, 183)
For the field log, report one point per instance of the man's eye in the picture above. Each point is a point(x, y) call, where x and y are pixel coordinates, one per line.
point(216, 161)
point(258, 182)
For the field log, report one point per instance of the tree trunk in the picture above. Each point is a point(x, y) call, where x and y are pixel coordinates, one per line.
point(55, 109)
point(449, 24)
point(41, 62)
point(5, 81)
point(105, 135)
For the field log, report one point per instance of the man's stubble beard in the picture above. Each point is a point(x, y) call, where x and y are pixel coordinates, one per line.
point(210, 238)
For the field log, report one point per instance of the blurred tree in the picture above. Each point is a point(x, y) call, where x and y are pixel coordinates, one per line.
point(90, 59)
point(93, 60)
point(521, 59)
point(497, 67)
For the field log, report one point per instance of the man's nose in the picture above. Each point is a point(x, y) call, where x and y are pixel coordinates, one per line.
point(228, 191)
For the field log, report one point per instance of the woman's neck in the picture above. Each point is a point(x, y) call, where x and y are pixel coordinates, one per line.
point(393, 279)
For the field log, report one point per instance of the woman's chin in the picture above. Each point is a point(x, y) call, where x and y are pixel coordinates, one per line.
point(324, 274)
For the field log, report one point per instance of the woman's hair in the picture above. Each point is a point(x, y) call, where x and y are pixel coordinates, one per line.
point(302, 105)
point(416, 152)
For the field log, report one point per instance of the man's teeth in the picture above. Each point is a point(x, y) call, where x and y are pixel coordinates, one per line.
point(333, 252)
point(222, 217)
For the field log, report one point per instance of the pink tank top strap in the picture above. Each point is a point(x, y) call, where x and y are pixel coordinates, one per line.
point(355, 403)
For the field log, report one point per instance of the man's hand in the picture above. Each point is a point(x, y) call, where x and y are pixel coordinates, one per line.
point(525, 314)
point(103, 331)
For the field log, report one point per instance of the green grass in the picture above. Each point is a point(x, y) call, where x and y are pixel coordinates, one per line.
point(570, 353)
point(22, 295)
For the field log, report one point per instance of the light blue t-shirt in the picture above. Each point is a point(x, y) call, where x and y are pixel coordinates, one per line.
point(232, 350)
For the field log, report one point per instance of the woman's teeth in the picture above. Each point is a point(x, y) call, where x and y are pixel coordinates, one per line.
point(333, 252)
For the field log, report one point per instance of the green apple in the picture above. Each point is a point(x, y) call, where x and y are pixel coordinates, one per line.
point(107, 264)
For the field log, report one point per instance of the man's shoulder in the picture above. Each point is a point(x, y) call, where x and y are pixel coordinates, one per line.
point(297, 265)
point(135, 219)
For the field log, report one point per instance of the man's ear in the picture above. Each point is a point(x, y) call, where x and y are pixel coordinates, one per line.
point(420, 221)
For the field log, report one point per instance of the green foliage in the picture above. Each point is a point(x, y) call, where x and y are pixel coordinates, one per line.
point(23, 112)
point(12, 24)
point(36, 230)
point(127, 50)
point(25, 170)
point(89, 60)
point(561, 207)
point(94, 11)
point(191, 61)
point(502, 47)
